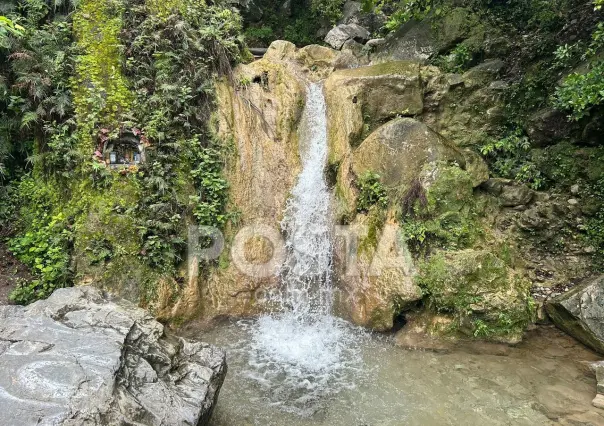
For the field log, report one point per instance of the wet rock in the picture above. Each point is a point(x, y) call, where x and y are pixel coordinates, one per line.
point(580, 313)
point(78, 358)
point(262, 120)
point(344, 32)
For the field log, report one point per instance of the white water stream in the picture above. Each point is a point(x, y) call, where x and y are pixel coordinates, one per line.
point(303, 354)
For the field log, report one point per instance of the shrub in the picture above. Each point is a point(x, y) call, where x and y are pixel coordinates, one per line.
point(372, 192)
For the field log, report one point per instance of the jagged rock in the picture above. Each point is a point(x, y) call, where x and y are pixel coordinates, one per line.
point(510, 193)
point(353, 13)
point(78, 358)
point(414, 41)
point(398, 151)
point(482, 74)
point(476, 167)
point(343, 32)
point(580, 313)
point(547, 127)
point(374, 43)
point(251, 10)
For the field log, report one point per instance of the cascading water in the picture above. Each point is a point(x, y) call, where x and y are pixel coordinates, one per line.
point(304, 354)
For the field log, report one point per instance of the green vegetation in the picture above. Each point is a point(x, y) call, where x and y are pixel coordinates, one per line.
point(444, 216)
point(74, 80)
point(470, 286)
point(508, 158)
point(580, 92)
point(372, 193)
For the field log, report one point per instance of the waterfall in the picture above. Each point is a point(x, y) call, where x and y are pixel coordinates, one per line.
point(303, 354)
point(307, 223)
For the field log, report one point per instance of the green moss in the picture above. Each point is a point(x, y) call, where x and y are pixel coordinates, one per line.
point(376, 218)
point(443, 216)
point(479, 290)
point(101, 94)
point(395, 67)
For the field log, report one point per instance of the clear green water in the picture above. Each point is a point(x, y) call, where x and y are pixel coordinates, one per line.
point(544, 380)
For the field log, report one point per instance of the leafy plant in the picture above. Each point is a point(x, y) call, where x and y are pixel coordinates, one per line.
point(45, 249)
point(508, 158)
point(580, 92)
point(372, 192)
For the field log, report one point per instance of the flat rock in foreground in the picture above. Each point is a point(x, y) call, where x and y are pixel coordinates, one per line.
point(80, 359)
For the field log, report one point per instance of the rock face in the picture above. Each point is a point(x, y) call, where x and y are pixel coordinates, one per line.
point(485, 294)
point(399, 150)
point(344, 32)
point(580, 313)
point(414, 41)
point(510, 193)
point(78, 358)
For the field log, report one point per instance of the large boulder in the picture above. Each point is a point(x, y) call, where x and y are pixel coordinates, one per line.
point(344, 32)
point(483, 294)
point(399, 150)
point(414, 41)
point(377, 281)
point(78, 358)
point(547, 127)
point(580, 313)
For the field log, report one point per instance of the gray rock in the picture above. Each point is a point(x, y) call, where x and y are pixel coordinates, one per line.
point(352, 13)
point(374, 43)
point(78, 358)
point(598, 368)
point(484, 73)
point(250, 9)
point(414, 41)
point(510, 193)
point(547, 126)
point(580, 313)
point(344, 32)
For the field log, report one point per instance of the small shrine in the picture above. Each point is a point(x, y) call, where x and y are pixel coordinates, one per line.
point(126, 151)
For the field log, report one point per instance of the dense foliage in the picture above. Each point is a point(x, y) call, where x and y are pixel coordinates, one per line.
point(76, 76)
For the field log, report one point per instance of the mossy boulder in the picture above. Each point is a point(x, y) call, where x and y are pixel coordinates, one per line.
point(399, 150)
point(486, 296)
point(376, 283)
point(580, 313)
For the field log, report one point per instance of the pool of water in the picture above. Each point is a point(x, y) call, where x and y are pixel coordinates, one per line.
point(544, 380)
